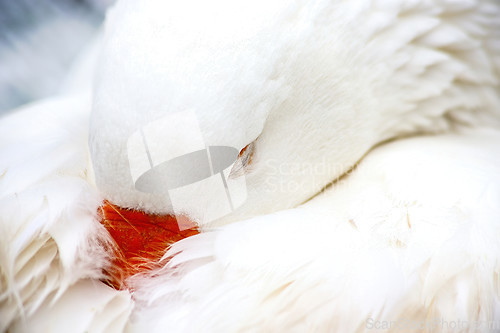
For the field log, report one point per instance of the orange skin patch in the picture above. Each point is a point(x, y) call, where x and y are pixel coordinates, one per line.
point(141, 240)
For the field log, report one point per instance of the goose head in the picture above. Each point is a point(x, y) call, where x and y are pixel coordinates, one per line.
point(288, 96)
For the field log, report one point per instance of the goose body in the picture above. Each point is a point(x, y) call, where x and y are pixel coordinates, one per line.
point(376, 247)
point(340, 230)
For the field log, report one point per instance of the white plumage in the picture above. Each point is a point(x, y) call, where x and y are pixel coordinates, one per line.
point(409, 232)
point(377, 244)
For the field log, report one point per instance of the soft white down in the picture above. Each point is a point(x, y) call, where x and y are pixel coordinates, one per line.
point(396, 103)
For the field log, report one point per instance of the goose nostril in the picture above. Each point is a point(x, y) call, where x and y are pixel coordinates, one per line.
point(140, 240)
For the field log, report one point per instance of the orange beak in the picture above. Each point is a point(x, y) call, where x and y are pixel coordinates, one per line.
point(141, 240)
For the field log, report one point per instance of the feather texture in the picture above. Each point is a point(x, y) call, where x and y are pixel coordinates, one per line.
point(50, 235)
point(377, 246)
point(409, 234)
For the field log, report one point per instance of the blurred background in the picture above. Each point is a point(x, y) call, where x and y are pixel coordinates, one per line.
point(39, 40)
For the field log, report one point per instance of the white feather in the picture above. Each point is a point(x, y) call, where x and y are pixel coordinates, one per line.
point(410, 234)
point(87, 306)
point(50, 237)
point(308, 83)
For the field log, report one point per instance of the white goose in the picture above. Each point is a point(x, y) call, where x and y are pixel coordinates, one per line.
point(407, 238)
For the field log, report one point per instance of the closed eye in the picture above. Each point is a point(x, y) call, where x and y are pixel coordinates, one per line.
point(243, 161)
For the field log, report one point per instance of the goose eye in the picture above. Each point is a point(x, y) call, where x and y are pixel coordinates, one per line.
point(243, 161)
